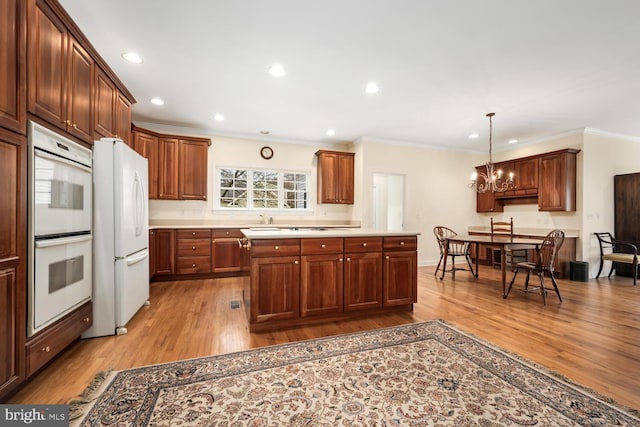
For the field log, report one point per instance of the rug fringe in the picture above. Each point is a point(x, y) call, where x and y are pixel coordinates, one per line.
point(78, 406)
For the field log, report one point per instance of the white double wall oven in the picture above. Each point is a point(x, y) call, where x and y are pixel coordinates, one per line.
point(60, 226)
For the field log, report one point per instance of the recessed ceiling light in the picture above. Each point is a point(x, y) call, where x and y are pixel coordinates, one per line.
point(276, 70)
point(473, 136)
point(157, 101)
point(264, 132)
point(331, 132)
point(513, 141)
point(218, 118)
point(372, 88)
point(132, 57)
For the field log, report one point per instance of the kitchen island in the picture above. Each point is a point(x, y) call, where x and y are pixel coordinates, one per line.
point(309, 275)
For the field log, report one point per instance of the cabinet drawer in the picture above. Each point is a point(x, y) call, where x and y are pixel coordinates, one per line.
point(193, 264)
point(203, 233)
point(221, 233)
point(404, 243)
point(47, 344)
point(193, 247)
point(362, 244)
point(275, 247)
point(321, 245)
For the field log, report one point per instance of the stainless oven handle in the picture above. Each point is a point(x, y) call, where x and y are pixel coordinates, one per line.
point(51, 157)
point(142, 256)
point(63, 241)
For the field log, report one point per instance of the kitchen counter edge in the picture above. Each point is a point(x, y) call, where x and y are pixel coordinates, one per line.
point(335, 232)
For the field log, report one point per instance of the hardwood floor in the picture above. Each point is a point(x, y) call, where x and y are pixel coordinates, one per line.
point(593, 337)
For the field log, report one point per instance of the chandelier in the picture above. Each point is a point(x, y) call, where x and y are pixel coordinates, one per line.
point(492, 179)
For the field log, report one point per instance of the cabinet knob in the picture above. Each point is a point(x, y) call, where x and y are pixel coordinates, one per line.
point(193, 247)
point(46, 349)
point(387, 257)
point(67, 122)
point(340, 260)
point(364, 245)
point(323, 245)
point(193, 233)
point(86, 320)
point(401, 243)
point(348, 259)
point(276, 247)
point(193, 265)
point(296, 262)
point(75, 126)
point(227, 233)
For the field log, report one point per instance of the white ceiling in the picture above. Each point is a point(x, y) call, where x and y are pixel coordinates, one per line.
point(545, 66)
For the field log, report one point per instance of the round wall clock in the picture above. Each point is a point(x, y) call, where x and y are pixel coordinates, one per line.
point(266, 152)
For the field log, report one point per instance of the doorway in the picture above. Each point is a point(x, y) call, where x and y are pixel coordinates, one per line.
point(388, 201)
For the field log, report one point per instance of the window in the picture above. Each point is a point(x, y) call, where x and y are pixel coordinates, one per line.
point(263, 189)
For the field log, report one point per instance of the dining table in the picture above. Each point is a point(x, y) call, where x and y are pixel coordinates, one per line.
point(494, 241)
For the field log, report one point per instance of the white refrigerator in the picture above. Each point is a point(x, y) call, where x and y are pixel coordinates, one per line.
point(121, 236)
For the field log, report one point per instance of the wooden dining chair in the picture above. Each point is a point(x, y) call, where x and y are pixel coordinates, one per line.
point(504, 228)
point(545, 264)
point(455, 250)
point(614, 250)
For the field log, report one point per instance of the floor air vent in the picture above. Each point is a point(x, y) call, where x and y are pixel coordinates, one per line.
point(234, 304)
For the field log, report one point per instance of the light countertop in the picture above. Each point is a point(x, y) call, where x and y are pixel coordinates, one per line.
point(305, 232)
point(204, 223)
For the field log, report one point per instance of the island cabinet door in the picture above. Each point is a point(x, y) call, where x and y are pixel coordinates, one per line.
point(400, 284)
point(275, 288)
point(362, 281)
point(321, 287)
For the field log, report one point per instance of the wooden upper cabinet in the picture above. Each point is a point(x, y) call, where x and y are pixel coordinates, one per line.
point(168, 149)
point(335, 177)
point(13, 71)
point(146, 145)
point(192, 178)
point(80, 92)
point(557, 181)
point(526, 176)
point(47, 56)
point(123, 119)
point(104, 106)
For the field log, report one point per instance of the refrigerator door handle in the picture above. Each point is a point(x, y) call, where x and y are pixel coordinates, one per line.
point(140, 207)
point(134, 260)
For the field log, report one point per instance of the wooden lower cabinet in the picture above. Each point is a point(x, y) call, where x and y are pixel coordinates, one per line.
point(321, 284)
point(362, 281)
point(193, 251)
point(332, 279)
point(275, 288)
point(227, 251)
point(165, 252)
point(400, 278)
point(44, 346)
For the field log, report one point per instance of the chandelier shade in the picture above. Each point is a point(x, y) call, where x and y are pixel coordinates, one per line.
point(491, 179)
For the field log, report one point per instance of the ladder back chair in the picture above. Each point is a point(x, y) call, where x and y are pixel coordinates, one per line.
point(545, 264)
point(614, 250)
point(455, 250)
point(504, 228)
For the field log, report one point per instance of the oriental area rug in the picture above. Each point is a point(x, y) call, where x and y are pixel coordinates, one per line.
point(421, 374)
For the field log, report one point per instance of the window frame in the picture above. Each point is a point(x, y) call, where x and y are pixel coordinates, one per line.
point(251, 208)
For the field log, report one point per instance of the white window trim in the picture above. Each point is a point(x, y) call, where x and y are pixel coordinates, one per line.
point(250, 209)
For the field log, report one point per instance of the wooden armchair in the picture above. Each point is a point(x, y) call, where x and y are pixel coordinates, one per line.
point(614, 250)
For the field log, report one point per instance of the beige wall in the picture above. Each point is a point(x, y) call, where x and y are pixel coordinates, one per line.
point(604, 156)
